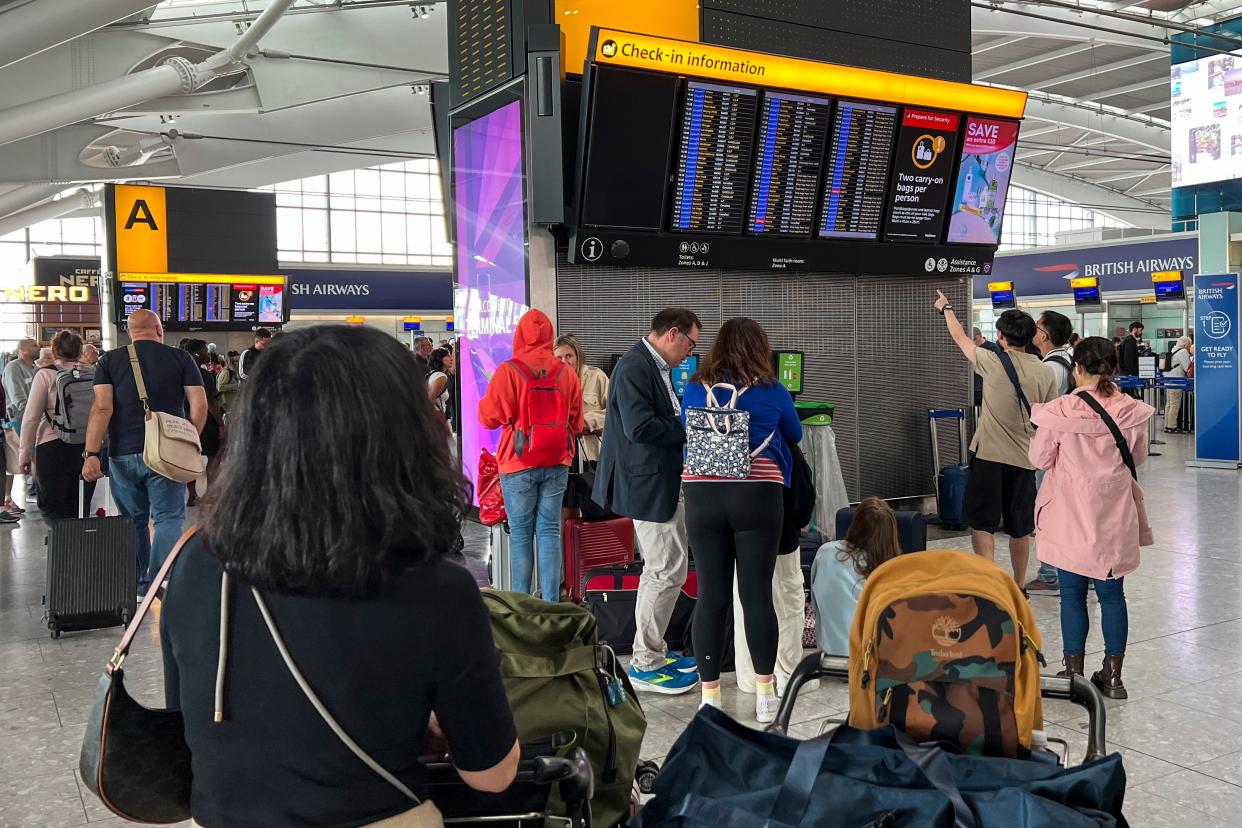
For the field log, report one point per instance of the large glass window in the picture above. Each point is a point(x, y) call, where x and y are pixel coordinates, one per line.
point(389, 215)
point(1033, 219)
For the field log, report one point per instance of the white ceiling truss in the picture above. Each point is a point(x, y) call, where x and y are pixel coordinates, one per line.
point(1097, 128)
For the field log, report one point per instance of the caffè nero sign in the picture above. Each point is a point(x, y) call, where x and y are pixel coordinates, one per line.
point(58, 279)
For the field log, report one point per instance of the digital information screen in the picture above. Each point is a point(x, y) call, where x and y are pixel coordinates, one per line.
point(926, 150)
point(1206, 120)
point(164, 301)
point(218, 299)
point(245, 304)
point(1169, 286)
point(682, 373)
point(856, 183)
point(190, 303)
point(1003, 297)
point(1086, 291)
point(135, 297)
point(789, 370)
point(983, 181)
point(792, 132)
point(714, 158)
point(271, 303)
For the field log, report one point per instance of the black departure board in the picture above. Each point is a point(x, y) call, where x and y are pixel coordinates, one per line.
point(856, 182)
point(792, 129)
point(714, 158)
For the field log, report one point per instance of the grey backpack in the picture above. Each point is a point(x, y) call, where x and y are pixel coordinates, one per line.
point(75, 394)
point(718, 438)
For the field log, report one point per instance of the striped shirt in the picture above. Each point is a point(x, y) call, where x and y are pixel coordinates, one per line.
point(763, 469)
point(665, 374)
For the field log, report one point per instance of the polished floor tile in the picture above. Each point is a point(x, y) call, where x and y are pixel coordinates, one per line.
point(1180, 733)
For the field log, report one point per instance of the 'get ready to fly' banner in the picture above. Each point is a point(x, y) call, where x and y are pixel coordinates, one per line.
point(982, 181)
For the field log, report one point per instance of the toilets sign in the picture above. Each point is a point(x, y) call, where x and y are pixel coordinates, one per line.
point(1218, 384)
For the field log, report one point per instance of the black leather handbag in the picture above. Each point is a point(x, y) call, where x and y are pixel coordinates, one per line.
point(135, 759)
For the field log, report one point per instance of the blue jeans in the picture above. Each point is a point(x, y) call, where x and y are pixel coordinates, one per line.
point(533, 502)
point(1114, 618)
point(144, 496)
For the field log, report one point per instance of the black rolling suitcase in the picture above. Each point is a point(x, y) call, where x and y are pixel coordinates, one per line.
point(92, 572)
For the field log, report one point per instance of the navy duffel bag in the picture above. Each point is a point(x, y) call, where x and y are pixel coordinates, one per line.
point(722, 774)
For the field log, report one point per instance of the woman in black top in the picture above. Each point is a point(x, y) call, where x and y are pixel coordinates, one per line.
point(339, 508)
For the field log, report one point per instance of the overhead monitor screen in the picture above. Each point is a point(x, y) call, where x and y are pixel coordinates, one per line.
point(712, 166)
point(218, 299)
point(489, 191)
point(1206, 118)
point(271, 303)
point(1003, 297)
point(184, 304)
point(983, 181)
point(245, 303)
point(926, 150)
point(1169, 286)
point(785, 186)
point(1086, 291)
point(856, 181)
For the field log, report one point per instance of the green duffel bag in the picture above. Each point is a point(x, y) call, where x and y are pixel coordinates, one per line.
point(560, 679)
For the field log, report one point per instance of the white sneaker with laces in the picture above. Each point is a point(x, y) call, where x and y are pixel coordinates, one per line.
point(766, 708)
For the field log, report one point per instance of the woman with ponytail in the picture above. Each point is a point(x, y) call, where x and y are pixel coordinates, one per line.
point(1089, 517)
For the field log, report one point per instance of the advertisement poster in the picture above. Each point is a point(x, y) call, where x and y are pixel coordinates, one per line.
point(926, 149)
point(1218, 430)
point(245, 303)
point(1206, 120)
point(489, 191)
point(983, 181)
point(271, 304)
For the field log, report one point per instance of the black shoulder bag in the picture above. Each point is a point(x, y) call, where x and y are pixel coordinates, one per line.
point(1122, 445)
point(1007, 362)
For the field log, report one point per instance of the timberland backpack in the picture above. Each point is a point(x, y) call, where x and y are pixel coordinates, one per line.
point(945, 647)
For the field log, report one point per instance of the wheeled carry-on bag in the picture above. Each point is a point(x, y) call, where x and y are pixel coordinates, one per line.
point(595, 544)
point(92, 572)
point(951, 479)
point(911, 528)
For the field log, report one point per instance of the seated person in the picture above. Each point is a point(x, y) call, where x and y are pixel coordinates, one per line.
point(841, 568)
point(391, 635)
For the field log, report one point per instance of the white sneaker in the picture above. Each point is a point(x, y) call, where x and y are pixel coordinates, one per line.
point(766, 708)
point(710, 703)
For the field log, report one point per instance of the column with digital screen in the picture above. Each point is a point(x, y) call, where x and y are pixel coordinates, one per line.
point(856, 182)
point(714, 158)
point(792, 131)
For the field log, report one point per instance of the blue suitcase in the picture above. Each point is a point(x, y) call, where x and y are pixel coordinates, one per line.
point(951, 479)
point(911, 528)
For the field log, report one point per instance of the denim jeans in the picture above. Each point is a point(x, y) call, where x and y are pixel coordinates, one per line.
point(533, 502)
point(144, 496)
point(1114, 618)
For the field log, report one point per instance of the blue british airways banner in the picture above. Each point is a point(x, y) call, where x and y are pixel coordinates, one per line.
point(1218, 427)
point(370, 290)
point(1124, 266)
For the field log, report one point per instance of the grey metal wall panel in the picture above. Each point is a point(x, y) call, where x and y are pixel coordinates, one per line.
point(851, 49)
point(874, 348)
point(944, 24)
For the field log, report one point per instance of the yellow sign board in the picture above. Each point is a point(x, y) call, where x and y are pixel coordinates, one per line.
point(1166, 276)
point(999, 287)
point(1147, 300)
point(141, 228)
point(201, 278)
point(617, 48)
point(676, 19)
point(1085, 282)
point(355, 320)
point(38, 294)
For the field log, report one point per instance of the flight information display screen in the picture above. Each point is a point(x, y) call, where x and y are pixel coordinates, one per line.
point(785, 188)
point(1086, 291)
point(1171, 291)
point(714, 158)
point(856, 182)
point(194, 306)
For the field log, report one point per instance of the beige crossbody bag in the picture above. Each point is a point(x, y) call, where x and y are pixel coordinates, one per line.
point(172, 448)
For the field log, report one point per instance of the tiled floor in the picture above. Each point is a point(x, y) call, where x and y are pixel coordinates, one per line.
point(1180, 732)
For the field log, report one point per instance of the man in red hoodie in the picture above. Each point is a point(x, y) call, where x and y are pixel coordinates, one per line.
point(538, 404)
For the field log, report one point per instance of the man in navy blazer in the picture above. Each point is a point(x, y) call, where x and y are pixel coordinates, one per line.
point(639, 476)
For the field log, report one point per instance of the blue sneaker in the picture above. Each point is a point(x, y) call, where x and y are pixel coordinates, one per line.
point(666, 681)
point(680, 663)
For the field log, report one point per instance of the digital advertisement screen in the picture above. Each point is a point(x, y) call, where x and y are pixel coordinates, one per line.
point(983, 181)
point(926, 150)
point(245, 303)
point(784, 191)
point(856, 182)
point(135, 297)
point(1086, 291)
point(271, 303)
point(1003, 297)
point(712, 166)
point(1206, 120)
point(489, 191)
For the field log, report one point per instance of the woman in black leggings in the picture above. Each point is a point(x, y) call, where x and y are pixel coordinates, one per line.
point(736, 522)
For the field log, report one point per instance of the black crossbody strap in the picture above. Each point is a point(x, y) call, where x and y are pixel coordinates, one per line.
point(1007, 361)
point(1122, 445)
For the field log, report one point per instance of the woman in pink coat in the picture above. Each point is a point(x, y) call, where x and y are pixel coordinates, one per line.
point(1089, 515)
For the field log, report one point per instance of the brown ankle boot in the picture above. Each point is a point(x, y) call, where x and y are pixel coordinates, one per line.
point(1073, 665)
point(1108, 679)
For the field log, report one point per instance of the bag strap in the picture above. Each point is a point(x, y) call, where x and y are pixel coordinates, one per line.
point(1123, 445)
point(332, 723)
point(1012, 373)
point(795, 795)
point(122, 649)
point(141, 383)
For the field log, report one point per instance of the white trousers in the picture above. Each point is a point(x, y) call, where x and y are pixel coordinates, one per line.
point(790, 600)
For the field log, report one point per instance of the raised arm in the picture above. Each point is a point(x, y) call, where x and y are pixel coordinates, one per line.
point(956, 331)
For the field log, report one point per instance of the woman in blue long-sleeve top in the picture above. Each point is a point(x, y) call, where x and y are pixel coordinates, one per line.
point(734, 521)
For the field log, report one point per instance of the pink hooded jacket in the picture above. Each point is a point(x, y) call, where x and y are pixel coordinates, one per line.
point(1089, 515)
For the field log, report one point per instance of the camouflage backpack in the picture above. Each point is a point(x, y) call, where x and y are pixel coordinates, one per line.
point(944, 647)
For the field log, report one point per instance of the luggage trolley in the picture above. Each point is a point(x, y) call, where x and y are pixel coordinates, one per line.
point(1075, 689)
point(525, 804)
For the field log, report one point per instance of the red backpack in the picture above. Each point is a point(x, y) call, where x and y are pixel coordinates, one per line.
point(542, 436)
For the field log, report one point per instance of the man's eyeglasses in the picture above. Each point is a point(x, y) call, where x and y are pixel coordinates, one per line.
point(694, 343)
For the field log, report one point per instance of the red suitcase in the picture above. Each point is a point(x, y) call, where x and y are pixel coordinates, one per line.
point(595, 544)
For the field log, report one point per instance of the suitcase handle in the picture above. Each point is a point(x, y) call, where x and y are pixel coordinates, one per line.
point(946, 414)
